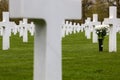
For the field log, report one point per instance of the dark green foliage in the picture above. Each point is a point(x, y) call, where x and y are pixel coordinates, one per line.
point(101, 33)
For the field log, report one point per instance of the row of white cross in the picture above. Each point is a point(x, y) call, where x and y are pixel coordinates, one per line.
point(88, 27)
point(7, 27)
point(69, 28)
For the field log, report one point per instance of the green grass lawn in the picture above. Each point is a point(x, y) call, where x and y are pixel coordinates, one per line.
point(17, 63)
point(83, 61)
point(80, 57)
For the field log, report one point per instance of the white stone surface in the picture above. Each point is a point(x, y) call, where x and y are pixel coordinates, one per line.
point(95, 17)
point(82, 27)
point(112, 12)
point(63, 30)
point(24, 8)
point(14, 29)
point(79, 28)
point(88, 28)
point(49, 15)
point(74, 28)
point(1, 31)
point(6, 26)
point(25, 29)
point(67, 28)
point(20, 29)
point(113, 30)
point(94, 23)
point(32, 29)
point(70, 28)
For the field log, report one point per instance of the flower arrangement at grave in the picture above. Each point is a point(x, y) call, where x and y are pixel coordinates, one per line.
point(101, 31)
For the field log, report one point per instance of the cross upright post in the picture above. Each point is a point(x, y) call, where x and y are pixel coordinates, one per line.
point(25, 30)
point(93, 24)
point(114, 21)
point(47, 16)
point(87, 28)
point(6, 26)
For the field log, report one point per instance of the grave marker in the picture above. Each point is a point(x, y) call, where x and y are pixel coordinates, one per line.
point(63, 30)
point(70, 28)
point(67, 28)
point(113, 30)
point(87, 28)
point(20, 29)
point(25, 29)
point(6, 26)
point(94, 23)
point(79, 28)
point(32, 28)
point(47, 16)
point(74, 28)
point(1, 31)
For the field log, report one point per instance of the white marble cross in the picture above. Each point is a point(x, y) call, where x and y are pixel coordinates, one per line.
point(24, 27)
point(25, 30)
point(88, 28)
point(14, 28)
point(20, 28)
point(6, 26)
point(94, 23)
point(64, 27)
point(47, 16)
point(113, 31)
point(74, 28)
point(32, 28)
point(79, 28)
point(69, 27)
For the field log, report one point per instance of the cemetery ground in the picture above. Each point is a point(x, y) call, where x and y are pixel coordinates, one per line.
point(80, 58)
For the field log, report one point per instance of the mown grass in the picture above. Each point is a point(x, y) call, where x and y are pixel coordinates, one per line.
point(17, 62)
point(83, 61)
point(80, 57)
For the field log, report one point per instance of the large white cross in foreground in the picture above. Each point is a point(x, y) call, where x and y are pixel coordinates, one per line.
point(47, 16)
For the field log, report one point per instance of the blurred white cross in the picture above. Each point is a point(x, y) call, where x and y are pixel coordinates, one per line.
point(6, 26)
point(48, 16)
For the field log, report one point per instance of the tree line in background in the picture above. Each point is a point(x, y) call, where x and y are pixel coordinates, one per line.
point(89, 7)
point(3, 7)
point(101, 7)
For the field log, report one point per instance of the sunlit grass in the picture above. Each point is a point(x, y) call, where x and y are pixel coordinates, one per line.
point(83, 61)
point(80, 57)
